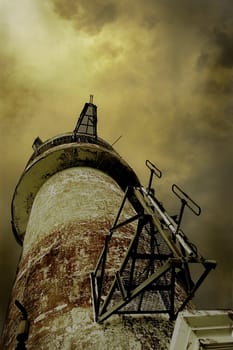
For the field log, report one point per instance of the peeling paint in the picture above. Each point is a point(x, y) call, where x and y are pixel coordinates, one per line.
point(70, 217)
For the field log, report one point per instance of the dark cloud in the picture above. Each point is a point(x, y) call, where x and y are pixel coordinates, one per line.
point(198, 13)
point(219, 87)
point(218, 54)
point(202, 61)
point(224, 43)
point(161, 72)
point(90, 16)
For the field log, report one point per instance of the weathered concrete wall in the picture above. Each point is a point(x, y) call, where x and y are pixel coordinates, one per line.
point(71, 214)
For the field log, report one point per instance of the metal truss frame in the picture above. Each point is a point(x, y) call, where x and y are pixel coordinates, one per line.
point(176, 263)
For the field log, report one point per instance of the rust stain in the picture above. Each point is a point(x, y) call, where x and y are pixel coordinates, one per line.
point(57, 272)
point(55, 279)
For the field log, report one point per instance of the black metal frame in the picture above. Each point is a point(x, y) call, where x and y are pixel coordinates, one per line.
point(23, 329)
point(87, 120)
point(164, 270)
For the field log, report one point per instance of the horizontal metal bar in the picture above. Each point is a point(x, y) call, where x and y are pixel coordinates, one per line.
point(152, 256)
point(131, 312)
point(126, 222)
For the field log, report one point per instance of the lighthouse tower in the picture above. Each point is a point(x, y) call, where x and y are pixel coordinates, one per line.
point(98, 270)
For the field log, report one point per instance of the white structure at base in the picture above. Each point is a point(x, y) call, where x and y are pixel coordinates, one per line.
point(203, 330)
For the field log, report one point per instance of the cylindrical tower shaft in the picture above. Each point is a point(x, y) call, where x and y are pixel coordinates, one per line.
point(63, 207)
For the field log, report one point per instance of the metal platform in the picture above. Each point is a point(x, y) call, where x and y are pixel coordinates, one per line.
point(155, 275)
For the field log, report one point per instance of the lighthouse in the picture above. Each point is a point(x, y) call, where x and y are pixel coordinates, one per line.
point(103, 266)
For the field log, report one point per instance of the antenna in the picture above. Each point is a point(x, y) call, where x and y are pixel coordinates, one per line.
point(116, 140)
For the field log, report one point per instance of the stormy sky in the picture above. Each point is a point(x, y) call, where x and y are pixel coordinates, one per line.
point(161, 72)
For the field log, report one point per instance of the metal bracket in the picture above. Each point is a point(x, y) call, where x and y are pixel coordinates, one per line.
point(23, 328)
point(153, 171)
point(185, 201)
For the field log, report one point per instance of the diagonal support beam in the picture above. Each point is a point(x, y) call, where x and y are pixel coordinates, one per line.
point(209, 265)
point(155, 276)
